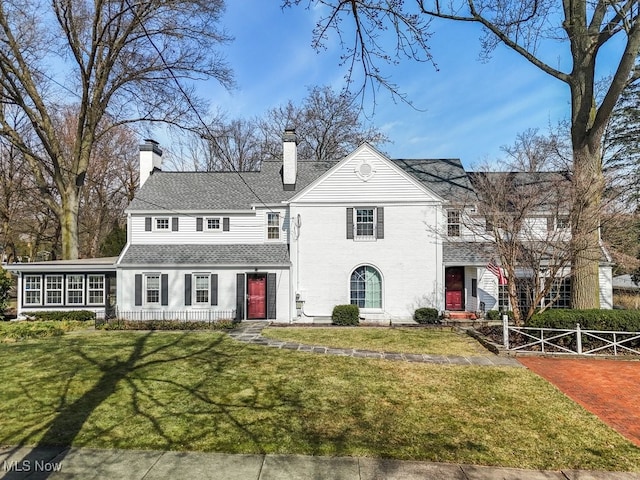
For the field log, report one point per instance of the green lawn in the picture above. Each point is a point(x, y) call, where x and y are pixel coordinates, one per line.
point(405, 340)
point(203, 391)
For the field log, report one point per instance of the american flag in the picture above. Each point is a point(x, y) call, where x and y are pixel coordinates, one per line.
point(497, 271)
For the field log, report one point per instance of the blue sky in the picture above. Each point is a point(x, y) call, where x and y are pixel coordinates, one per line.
point(468, 109)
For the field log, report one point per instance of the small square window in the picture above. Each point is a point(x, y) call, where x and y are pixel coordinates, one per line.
point(162, 224)
point(213, 224)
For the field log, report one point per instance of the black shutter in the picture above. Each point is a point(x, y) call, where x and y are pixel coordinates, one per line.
point(225, 224)
point(198, 224)
point(380, 222)
point(271, 295)
point(174, 224)
point(214, 289)
point(349, 223)
point(187, 289)
point(138, 290)
point(147, 224)
point(240, 296)
point(164, 289)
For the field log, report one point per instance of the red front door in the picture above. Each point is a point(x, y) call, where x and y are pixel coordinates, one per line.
point(454, 288)
point(257, 296)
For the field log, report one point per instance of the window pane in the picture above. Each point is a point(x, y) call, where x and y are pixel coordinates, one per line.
point(366, 287)
point(213, 223)
point(32, 285)
point(75, 289)
point(364, 222)
point(273, 226)
point(153, 289)
point(96, 289)
point(202, 288)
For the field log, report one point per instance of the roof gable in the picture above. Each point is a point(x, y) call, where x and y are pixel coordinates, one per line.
point(366, 176)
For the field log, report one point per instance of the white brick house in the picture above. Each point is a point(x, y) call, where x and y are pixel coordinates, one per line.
point(288, 243)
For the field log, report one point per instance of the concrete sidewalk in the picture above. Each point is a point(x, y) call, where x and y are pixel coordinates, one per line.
point(85, 463)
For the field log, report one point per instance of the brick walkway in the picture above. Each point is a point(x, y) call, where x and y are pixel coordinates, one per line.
point(609, 389)
point(251, 332)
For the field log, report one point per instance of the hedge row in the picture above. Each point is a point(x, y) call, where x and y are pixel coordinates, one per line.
point(60, 315)
point(608, 320)
point(117, 324)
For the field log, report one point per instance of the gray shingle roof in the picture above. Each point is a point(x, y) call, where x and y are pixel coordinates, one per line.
point(180, 191)
point(468, 253)
point(445, 177)
point(206, 191)
point(240, 254)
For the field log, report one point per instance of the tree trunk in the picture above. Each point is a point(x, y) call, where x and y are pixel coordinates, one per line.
point(588, 186)
point(69, 223)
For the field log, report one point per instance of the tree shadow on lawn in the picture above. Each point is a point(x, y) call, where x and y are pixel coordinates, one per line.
point(265, 413)
point(71, 415)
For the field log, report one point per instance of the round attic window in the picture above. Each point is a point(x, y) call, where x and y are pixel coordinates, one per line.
point(365, 171)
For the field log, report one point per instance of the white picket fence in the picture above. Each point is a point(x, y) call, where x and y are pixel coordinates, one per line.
point(571, 341)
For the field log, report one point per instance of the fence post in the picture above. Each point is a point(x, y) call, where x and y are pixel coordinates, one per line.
point(579, 338)
point(505, 331)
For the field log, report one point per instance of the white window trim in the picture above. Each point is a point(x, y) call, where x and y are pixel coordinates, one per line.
point(375, 310)
point(194, 292)
point(39, 290)
point(157, 228)
point(69, 290)
point(206, 224)
point(145, 290)
point(46, 290)
point(365, 238)
point(279, 238)
point(89, 289)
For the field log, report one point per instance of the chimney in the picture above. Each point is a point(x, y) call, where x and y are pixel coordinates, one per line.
point(289, 159)
point(150, 159)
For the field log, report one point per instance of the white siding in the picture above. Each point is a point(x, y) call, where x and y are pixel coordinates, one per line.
point(606, 287)
point(387, 184)
point(243, 228)
point(488, 289)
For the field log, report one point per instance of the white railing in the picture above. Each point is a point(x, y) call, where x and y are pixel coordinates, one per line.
point(204, 315)
point(571, 341)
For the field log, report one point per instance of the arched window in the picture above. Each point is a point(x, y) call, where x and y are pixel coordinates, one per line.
point(366, 287)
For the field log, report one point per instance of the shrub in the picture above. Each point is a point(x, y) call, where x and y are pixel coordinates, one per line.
point(5, 287)
point(426, 315)
point(497, 314)
point(60, 315)
point(611, 320)
point(345, 315)
point(120, 324)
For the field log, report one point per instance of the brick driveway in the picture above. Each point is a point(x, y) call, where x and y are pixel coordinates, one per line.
point(608, 388)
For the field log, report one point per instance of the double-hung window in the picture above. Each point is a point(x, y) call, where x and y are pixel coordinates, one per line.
point(75, 289)
point(95, 289)
point(152, 289)
point(365, 223)
point(453, 223)
point(53, 289)
point(273, 226)
point(202, 288)
point(32, 289)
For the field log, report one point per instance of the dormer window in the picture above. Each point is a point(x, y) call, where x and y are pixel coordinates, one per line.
point(162, 224)
point(213, 224)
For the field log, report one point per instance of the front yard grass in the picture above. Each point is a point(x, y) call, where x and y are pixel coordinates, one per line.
point(205, 392)
point(380, 339)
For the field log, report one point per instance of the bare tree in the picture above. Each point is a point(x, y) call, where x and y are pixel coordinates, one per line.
point(125, 59)
point(328, 126)
point(583, 26)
